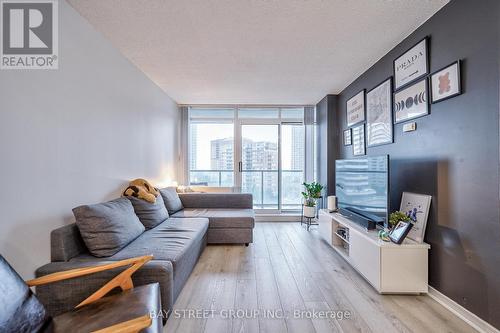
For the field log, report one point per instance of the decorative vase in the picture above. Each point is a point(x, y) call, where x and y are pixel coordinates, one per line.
point(309, 211)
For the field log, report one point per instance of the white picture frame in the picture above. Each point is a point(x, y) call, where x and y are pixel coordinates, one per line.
point(347, 137)
point(379, 128)
point(358, 140)
point(355, 109)
point(416, 207)
point(411, 65)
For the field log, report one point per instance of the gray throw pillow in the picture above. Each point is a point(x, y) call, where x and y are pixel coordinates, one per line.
point(107, 227)
point(171, 199)
point(150, 214)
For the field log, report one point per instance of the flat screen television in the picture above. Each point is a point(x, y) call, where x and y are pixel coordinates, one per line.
point(362, 187)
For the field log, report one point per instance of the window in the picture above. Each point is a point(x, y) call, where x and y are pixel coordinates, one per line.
point(256, 150)
point(292, 113)
point(210, 113)
point(258, 113)
point(211, 147)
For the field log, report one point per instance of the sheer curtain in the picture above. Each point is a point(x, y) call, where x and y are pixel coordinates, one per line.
point(183, 155)
point(310, 151)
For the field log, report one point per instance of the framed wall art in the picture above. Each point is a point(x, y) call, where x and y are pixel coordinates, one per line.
point(379, 114)
point(446, 83)
point(358, 140)
point(411, 102)
point(347, 137)
point(411, 65)
point(416, 207)
point(355, 109)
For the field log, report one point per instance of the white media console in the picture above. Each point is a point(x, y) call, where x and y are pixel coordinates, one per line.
point(390, 268)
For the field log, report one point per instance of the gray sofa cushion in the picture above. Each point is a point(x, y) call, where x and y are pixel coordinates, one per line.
point(107, 227)
point(150, 214)
point(171, 199)
point(180, 241)
point(221, 218)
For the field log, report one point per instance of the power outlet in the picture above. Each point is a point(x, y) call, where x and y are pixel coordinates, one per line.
point(410, 127)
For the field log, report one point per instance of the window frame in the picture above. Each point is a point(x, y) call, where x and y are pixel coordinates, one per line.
point(237, 123)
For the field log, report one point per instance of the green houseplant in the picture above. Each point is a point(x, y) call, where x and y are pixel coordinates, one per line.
point(397, 216)
point(311, 193)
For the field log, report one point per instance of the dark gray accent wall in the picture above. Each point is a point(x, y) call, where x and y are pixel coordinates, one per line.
point(326, 110)
point(453, 155)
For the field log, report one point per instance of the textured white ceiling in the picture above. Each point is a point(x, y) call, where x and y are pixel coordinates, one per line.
point(255, 51)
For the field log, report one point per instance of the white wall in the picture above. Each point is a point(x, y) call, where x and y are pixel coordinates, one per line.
point(75, 135)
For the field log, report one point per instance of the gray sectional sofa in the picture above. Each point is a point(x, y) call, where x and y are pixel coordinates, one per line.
point(176, 245)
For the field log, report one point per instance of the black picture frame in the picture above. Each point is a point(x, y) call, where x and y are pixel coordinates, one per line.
point(347, 134)
point(427, 104)
point(391, 106)
point(415, 79)
point(364, 109)
point(458, 63)
point(400, 231)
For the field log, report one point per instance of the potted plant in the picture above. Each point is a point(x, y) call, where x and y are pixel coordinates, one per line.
point(311, 194)
point(396, 217)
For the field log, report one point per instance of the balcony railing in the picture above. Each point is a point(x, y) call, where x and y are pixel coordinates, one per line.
point(217, 178)
point(263, 184)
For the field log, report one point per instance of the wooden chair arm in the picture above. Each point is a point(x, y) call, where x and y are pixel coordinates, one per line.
point(129, 326)
point(72, 273)
point(122, 280)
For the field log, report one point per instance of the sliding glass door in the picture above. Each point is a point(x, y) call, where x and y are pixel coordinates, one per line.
point(260, 164)
point(292, 165)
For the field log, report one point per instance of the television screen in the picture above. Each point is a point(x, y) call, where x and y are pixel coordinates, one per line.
point(362, 185)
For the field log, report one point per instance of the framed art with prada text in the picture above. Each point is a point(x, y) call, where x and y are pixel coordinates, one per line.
point(411, 65)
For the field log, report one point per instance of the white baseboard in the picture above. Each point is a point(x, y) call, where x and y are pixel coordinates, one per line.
point(474, 321)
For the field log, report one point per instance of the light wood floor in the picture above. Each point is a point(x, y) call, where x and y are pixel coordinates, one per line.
point(289, 268)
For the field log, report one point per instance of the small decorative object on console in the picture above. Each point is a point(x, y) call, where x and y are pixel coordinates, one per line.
point(332, 203)
point(399, 233)
point(397, 216)
point(384, 235)
point(343, 233)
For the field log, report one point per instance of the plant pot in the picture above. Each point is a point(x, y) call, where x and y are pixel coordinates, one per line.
point(309, 211)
